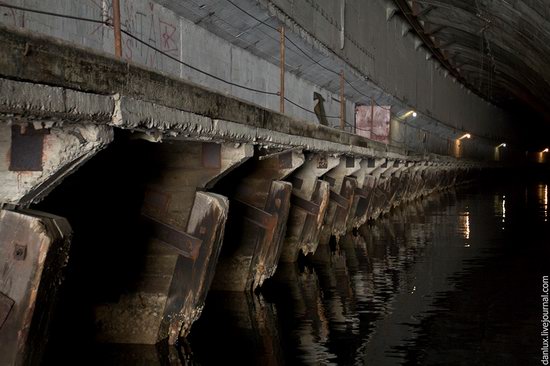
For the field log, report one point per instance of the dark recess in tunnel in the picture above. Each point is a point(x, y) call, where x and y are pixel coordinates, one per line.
point(228, 186)
point(102, 201)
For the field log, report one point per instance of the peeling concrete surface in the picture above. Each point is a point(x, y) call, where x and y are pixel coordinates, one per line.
point(65, 149)
point(30, 101)
point(68, 145)
point(57, 63)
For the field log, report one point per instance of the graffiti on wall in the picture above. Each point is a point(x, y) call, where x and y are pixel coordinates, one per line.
point(150, 24)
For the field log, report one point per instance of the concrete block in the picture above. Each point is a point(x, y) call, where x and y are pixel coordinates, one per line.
point(64, 150)
point(34, 249)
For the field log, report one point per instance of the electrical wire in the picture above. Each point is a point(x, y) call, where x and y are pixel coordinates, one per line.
point(52, 14)
point(196, 68)
point(156, 49)
point(129, 34)
point(310, 57)
point(304, 52)
point(332, 71)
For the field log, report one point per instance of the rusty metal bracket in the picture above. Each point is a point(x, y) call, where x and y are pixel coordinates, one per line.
point(185, 244)
point(339, 200)
point(361, 192)
point(6, 304)
point(257, 216)
point(309, 207)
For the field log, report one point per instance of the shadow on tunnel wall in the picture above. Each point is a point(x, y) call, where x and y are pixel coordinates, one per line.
point(102, 201)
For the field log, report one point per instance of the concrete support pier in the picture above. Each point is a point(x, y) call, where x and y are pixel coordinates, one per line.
point(378, 190)
point(34, 248)
point(184, 168)
point(310, 196)
point(342, 190)
point(364, 192)
point(260, 203)
point(185, 228)
point(41, 154)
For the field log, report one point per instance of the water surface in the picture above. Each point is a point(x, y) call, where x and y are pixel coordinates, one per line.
point(452, 279)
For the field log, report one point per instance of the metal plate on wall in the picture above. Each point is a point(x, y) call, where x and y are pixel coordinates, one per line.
point(211, 155)
point(27, 146)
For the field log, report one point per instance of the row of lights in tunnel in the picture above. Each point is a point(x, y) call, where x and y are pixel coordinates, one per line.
point(465, 136)
point(413, 114)
point(418, 45)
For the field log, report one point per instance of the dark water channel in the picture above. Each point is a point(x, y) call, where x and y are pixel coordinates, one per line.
point(453, 279)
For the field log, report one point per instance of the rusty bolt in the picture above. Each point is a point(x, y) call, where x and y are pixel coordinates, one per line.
point(20, 252)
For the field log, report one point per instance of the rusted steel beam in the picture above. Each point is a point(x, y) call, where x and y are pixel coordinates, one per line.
point(342, 186)
point(342, 101)
point(347, 192)
point(269, 250)
point(117, 28)
point(257, 216)
point(309, 207)
point(361, 192)
point(282, 69)
point(339, 200)
point(185, 244)
point(33, 252)
point(182, 237)
point(312, 225)
point(193, 276)
point(260, 205)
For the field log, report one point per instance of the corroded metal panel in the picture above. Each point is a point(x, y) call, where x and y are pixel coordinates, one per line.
point(305, 221)
point(343, 209)
point(270, 241)
point(33, 251)
point(309, 207)
point(27, 146)
point(193, 274)
point(312, 225)
point(184, 243)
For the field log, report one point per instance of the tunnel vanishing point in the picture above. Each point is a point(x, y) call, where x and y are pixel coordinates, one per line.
point(191, 148)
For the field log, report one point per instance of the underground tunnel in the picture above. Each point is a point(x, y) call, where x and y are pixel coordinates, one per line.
point(273, 182)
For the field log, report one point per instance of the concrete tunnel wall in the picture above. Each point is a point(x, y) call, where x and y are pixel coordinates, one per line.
point(200, 212)
point(377, 47)
point(179, 38)
point(376, 53)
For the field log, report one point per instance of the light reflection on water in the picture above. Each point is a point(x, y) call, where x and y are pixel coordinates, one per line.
point(543, 199)
point(450, 280)
point(406, 289)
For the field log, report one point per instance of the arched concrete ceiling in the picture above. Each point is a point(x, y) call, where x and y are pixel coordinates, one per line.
point(499, 48)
